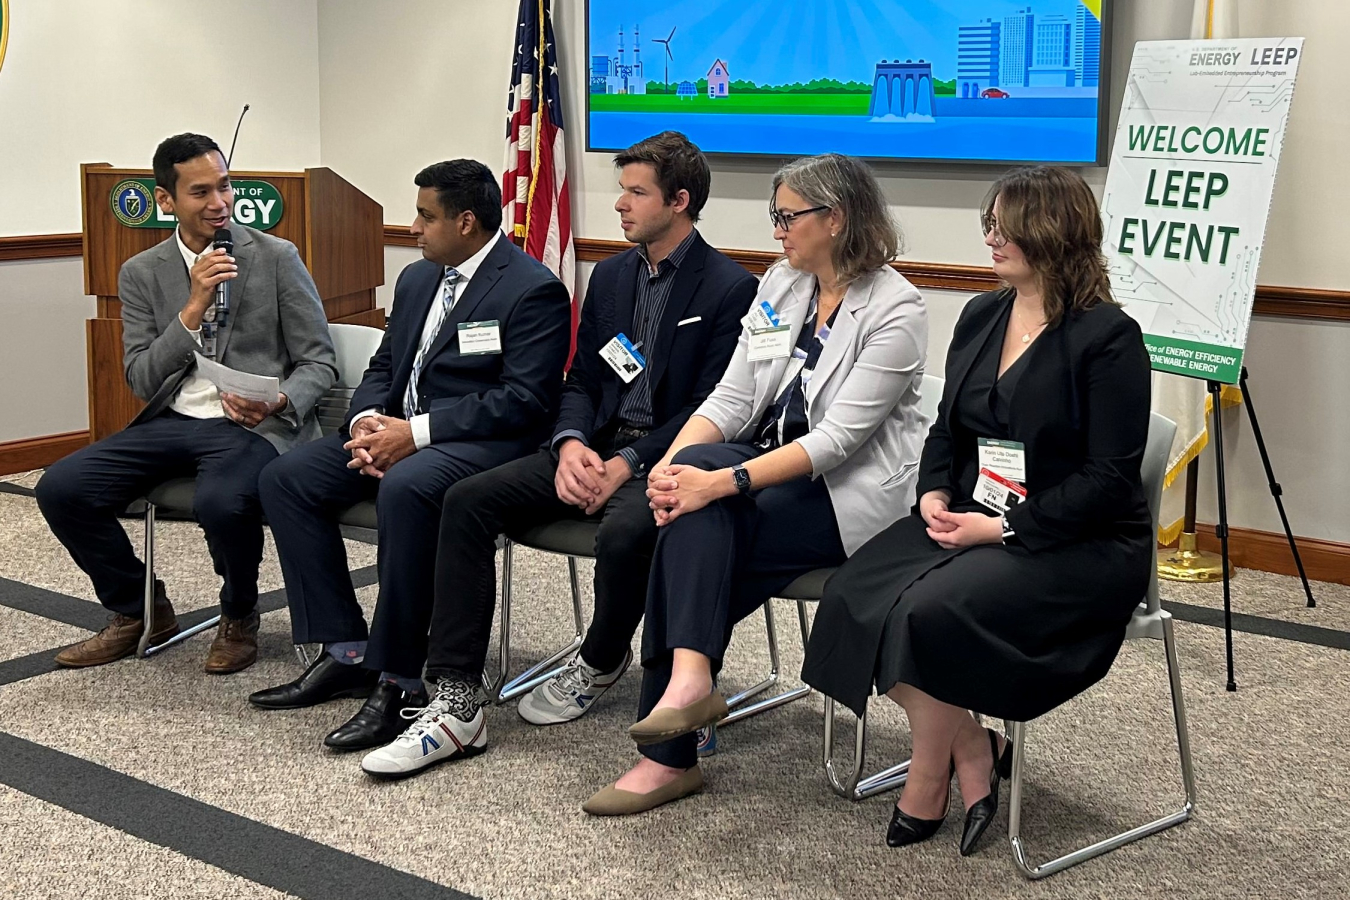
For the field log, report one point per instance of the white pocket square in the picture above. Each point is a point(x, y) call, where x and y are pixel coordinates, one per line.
point(689, 321)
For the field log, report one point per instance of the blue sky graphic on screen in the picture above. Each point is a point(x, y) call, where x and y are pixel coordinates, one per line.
point(968, 80)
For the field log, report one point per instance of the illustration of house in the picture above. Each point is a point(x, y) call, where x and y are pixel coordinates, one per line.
point(719, 80)
point(686, 90)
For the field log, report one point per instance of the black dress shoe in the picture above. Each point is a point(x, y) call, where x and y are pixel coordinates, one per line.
point(981, 814)
point(906, 829)
point(327, 679)
point(379, 721)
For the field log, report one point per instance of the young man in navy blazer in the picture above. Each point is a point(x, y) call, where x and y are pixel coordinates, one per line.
point(678, 304)
point(466, 378)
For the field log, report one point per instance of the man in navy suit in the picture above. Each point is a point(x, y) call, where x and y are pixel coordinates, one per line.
point(658, 327)
point(467, 377)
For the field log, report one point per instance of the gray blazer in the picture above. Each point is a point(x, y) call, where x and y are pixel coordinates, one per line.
point(276, 327)
point(862, 402)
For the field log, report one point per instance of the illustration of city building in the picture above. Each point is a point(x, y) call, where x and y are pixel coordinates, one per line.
point(719, 80)
point(1015, 50)
point(1087, 47)
point(977, 58)
point(1052, 54)
point(612, 75)
point(903, 89)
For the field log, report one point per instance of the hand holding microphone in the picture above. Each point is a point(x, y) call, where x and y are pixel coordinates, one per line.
point(209, 277)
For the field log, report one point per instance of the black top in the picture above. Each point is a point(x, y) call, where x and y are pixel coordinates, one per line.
point(1081, 408)
point(982, 408)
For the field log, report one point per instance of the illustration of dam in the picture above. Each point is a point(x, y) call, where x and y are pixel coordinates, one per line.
point(903, 90)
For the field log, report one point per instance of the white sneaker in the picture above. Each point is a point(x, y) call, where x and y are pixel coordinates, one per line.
point(569, 694)
point(451, 726)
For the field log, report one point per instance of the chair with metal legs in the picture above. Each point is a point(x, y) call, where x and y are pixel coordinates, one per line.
point(576, 540)
point(354, 345)
point(1150, 621)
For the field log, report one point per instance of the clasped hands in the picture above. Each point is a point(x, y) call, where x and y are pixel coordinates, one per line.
point(953, 531)
point(674, 490)
point(586, 481)
point(378, 442)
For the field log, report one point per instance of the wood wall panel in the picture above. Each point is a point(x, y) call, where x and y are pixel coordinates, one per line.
point(39, 452)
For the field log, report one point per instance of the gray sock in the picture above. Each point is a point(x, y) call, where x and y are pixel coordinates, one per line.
point(410, 685)
point(350, 653)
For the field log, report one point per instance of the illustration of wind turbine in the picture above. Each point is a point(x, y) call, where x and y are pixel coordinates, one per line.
point(665, 42)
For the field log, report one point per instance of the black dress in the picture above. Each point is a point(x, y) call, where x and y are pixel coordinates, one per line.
point(1008, 630)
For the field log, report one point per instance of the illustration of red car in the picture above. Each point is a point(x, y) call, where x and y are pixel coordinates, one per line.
point(993, 94)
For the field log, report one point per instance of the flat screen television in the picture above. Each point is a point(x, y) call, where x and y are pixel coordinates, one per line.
point(978, 81)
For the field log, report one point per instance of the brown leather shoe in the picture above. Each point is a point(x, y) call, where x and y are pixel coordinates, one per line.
point(121, 635)
point(235, 647)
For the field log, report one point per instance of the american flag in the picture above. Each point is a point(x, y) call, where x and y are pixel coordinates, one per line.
point(535, 207)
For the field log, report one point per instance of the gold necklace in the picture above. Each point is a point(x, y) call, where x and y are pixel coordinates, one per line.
point(1026, 336)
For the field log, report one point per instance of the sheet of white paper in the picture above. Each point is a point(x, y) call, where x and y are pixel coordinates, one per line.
point(242, 384)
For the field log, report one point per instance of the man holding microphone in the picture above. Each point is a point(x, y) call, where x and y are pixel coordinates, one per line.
point(273, 324)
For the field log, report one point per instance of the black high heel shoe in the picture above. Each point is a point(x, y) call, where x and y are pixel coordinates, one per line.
point(906, 829)
point(981, 814)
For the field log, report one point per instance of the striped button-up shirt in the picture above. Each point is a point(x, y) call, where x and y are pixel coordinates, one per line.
point(653, 293)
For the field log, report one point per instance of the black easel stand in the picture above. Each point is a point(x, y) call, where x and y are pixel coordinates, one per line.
point(1215, 392)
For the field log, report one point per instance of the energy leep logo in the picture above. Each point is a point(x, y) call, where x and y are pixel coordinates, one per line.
point(132, 203)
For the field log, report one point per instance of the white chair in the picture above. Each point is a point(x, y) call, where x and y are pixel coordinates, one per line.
point(354, 346)
point(1150, 621)
point(576, 540)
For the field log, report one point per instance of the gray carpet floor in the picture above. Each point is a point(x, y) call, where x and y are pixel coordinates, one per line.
point(150, 778)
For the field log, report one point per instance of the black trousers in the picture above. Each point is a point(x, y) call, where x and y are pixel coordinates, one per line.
point(82, 495)
point(305, 491)
point(716, 566)
point(517, 495)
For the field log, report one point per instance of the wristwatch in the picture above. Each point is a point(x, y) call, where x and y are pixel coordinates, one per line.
point(1007, 530)
point(741, 479)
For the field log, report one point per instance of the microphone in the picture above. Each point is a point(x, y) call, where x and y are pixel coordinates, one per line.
point(223, 240)
point(236, 136)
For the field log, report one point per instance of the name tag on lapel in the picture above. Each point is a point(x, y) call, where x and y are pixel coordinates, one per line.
point(480, 338)
point(623, 357)
point(770, 343)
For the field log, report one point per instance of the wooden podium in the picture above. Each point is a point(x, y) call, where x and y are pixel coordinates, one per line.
point(338, 230)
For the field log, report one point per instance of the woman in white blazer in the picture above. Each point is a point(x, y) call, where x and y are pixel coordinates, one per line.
point(807, 448)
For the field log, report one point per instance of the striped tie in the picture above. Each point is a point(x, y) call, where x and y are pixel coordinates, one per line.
point(443, 307)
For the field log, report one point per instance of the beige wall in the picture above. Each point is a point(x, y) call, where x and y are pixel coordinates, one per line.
point(105, 81)
point(399, 85)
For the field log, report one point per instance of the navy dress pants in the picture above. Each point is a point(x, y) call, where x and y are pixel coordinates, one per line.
point(716, 566)
point(303, 494)
point(82, 495)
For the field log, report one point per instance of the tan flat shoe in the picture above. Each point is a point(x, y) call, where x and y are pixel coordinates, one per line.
point(664, 724)
point(611, 801)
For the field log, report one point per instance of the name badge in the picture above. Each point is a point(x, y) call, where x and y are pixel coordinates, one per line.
point(762, 316)
point(1006, 458)
point(479, 338)
point(770, 343)
point(998, 493)
point(623, 357)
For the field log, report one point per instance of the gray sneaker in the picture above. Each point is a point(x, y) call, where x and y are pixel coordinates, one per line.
point(569, 694)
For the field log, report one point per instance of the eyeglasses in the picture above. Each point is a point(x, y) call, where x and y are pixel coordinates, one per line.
point(784, 220)
point(990, 226)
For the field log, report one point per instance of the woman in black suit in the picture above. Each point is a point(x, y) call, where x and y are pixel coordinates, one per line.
point(962, 607)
